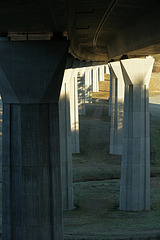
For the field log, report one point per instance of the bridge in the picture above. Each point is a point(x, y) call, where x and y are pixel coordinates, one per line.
point(36, 40)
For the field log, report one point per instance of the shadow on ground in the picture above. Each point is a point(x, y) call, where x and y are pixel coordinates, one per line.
point(97, 187)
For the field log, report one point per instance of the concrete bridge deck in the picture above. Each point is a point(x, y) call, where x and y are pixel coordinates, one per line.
point(97, 30)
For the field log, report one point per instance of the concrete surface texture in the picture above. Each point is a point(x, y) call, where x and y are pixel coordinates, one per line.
point(74, 112)
point(88, 85)
point(66, 142)
point(81, 91)
point(135, 168)
point(93, 30)
point(94, 80)
point(104, 37)
point(110, 94)
point(101, 72)
point(31, 76)
point(106, 69)
point(117, 105)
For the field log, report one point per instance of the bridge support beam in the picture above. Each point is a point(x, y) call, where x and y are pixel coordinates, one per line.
point(81, 91)
point(106, 69)
point(116, 132)
point(66, 142)
point(88, 85)
point(74, 112)
point(94, 76)
point(101, 72)
point(110, 93)
point(31, 74)
point(135, 172)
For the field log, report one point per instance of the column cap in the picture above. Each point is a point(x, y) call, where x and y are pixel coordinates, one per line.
point(137, 71)
point(115, 68)
point(32, 71)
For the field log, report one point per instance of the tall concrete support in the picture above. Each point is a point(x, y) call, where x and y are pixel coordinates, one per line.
point(88, 85)
point(74, 111)
point(101, 72)
point(95, 79)
point(135, 173)
point(106, 69)
point(116, 132)
point(110, 95)
point(66, 142)
point(31, 74)
point(81, 91)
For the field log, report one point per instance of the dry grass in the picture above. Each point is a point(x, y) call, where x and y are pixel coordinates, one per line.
point(154, 85)
point(96, 216)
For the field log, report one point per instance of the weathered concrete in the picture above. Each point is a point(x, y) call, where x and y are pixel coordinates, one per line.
point(116, 131)
point(66, 142)
point(74, 110)
point(31, 74)
point(135, 173)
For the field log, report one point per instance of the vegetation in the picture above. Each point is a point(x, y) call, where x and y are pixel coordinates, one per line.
point(97, 185)
point(156, 67)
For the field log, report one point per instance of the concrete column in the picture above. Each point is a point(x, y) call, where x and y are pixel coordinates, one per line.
point(101, 70)
point(95, 79)
point(106, 69)
point(116, 132)
point(88, 85)
point(66, 142)
point(31, 73)
point(135, 172)
point(74, 111)
point(110, 95)
point(81, 91)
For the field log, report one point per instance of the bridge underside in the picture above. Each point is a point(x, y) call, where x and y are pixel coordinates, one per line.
point(97, 30)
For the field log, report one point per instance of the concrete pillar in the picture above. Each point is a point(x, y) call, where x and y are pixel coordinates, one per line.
point(106, 69)
point(135, 173)
point(74, 111)
point(66, 142)
point(31, 73)
point(88, 85)
point(101, 71)
point(116, 132)
point(81, 91)
point(95, 79)
point(110, 95)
